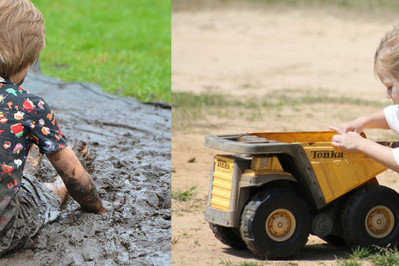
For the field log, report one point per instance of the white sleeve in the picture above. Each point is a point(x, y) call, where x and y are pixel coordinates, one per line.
point(395, 152)
point(392, 117)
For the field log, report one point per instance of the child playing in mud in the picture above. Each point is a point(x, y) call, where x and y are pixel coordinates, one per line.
point(28, 122)
point(386, 66)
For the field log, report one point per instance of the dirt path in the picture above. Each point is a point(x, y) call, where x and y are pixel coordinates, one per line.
point(262, 51)
point(130, 142)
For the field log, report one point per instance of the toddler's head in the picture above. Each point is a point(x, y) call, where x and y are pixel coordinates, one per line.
point(21, 36)
point(387, 53)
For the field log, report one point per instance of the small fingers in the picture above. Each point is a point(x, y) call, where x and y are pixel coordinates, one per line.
point(337, 144)
point(341, 130)
point(336, 141)
point(336, 129)
point(345, 129)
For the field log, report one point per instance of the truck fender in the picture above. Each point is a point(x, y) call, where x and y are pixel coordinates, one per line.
point(247, 182)
point(260, 180)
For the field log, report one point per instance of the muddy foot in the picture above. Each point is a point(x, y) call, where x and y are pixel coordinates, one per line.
point(33, 161)
point(84, 156)
point(59, 188)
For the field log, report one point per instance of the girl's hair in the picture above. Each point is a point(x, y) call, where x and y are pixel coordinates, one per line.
point(21, 35)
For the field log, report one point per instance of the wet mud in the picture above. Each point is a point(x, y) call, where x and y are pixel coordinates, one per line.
point(129, 143)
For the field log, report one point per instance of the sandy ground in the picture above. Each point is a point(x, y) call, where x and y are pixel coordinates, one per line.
point(259, 50)
point(130, 144)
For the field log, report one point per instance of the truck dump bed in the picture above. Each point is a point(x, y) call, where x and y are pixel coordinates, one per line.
point(337, 172)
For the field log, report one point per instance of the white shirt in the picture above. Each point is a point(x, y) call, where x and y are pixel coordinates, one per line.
point(392, 117)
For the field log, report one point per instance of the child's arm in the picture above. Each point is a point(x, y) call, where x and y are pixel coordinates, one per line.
point(78, 182)
point(375, 120)
point(353, 142)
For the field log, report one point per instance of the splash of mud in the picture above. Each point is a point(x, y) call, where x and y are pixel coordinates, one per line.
point(130, 142)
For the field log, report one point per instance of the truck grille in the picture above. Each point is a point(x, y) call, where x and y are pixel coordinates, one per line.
point(222, 183)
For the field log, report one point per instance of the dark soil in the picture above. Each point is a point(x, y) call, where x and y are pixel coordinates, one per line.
point(130, 144)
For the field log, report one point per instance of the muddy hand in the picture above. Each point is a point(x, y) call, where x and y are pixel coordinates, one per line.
point(99, 210)
point(84, 155)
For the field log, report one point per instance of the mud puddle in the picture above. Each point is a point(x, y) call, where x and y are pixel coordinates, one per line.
point(130, 144)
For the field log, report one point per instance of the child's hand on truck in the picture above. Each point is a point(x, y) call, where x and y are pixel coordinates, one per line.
point(375, 120)
point(349, 139)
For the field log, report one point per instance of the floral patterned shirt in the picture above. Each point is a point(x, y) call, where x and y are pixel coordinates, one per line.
point(24, 119)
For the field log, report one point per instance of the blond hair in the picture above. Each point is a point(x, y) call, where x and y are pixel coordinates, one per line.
point(387, 53)
point(21, 35)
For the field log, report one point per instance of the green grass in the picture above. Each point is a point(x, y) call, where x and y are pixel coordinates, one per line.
point(359, 256)
point(359, 253)
point(275, 99)
point(184, 195)
point(377, 255)
point(230, 263)
point(348, 263)
point(363, 5)
point(209, 112)
point(193, 106)
point(189, 106)
point(122, 45)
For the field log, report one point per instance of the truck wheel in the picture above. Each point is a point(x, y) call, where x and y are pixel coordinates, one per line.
point(275, 223)
point(334, 240)
point(371, 217)
point(228, 236)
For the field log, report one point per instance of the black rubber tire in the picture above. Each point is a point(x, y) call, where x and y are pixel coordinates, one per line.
point(334, 240)
point(357, 209)
point(260, 208)
point(228, 236)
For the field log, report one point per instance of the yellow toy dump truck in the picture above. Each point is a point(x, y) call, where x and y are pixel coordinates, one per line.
point(275, 189)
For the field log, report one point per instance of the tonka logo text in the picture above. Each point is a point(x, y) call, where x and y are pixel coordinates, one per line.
point(223, 165)
point(327, 155)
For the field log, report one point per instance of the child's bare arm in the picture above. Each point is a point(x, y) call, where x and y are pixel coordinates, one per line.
point(353, 142)
point(78, 182)
point(375, 120)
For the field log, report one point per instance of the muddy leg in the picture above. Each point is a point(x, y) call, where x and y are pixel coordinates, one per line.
point(59, 188)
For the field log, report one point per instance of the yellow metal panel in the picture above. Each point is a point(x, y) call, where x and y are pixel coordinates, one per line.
point(272, 165)
point(224, 176)
point(222, 193)
point(323, 181)
point(342, 177)
point(222, 183)
point(219, 203)
point(275, 164)
point(290, 137)
point(337, 171)
point(373, 167)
